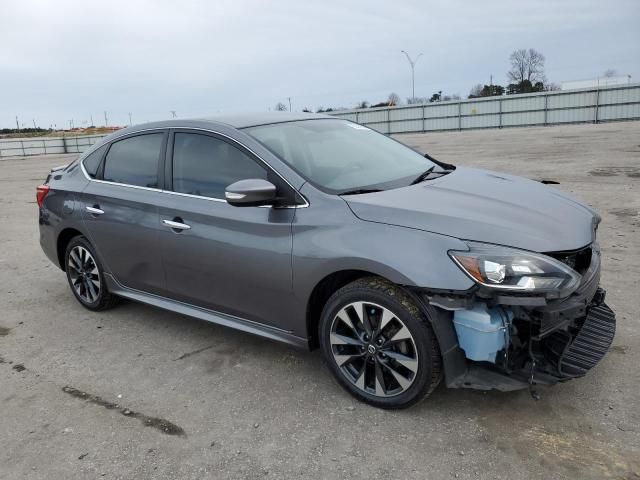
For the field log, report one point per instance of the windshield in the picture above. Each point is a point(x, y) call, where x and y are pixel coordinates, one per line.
point(339, 156)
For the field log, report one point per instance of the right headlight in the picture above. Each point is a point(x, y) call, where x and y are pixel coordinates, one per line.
point(507, 268)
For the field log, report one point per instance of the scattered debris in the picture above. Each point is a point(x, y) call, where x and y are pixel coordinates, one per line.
point(83, 455)
point(350, 408)
point(622, 349)
point(161, 424)
point(18, 367)
point(624, 212)
point(188, 354)
point(4, 331)
point(611, 171)
point(625, 428)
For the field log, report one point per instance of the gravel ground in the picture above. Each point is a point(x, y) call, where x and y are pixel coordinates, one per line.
point(137, 392)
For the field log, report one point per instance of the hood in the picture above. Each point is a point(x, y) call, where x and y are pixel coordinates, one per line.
point(484, 206)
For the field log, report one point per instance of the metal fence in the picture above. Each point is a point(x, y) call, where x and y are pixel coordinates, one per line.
point(603, 104)
point(45, 145)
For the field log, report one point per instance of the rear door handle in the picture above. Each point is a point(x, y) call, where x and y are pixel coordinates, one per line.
point(94, 210)
point(176, 225)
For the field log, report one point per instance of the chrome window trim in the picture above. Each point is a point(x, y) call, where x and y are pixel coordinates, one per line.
point(305, 205)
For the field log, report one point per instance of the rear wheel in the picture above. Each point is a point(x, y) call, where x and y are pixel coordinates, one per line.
point(85, 275)
point(379, 345)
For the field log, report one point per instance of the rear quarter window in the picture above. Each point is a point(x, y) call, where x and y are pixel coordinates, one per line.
point(92, 161)
point(134, 160)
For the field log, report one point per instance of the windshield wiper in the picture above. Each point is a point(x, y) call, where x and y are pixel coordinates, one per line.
point(359, 191)
point(424, 175)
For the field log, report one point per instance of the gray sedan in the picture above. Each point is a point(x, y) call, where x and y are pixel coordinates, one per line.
point(320, 232)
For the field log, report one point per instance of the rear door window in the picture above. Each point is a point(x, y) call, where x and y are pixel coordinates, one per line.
point(204, 165)
point(134, 160)
point(92, 161)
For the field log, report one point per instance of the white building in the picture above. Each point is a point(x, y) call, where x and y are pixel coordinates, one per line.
point(596, 82)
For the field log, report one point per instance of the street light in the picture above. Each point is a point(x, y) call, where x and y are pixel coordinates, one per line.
point(413, 76)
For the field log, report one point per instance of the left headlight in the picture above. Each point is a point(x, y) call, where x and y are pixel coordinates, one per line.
point(511, 269)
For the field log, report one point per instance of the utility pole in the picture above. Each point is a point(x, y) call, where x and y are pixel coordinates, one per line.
point(106, 120)
point(92, 124)
point(289, 103)
point(17, 124)
point(130, 119)
point(491, 80)
point(34, 123)
point(413, 72)
point(173, 113)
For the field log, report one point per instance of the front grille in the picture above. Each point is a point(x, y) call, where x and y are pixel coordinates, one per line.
point(579, 259)
point(576, 354)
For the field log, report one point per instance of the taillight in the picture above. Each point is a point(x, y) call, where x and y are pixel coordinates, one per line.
point(41, 192)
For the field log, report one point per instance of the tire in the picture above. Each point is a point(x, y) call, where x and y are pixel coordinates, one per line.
point(386, 356)
point(85, 276)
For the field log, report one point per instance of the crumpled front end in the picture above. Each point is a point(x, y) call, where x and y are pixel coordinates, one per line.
point(510, 340)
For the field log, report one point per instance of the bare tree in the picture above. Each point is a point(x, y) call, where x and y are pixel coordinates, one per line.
point(526, 65)
point(610, 72)
point(393, 99)
point(281, 107)
point(362, 104)
point(476, 91)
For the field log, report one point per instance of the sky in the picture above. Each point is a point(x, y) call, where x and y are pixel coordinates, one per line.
point(73, 60)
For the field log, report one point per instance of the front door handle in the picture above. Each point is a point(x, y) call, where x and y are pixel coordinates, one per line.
point(176, 225)
point(94, 210)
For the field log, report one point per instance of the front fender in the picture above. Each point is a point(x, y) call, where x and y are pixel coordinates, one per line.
point(329, 238)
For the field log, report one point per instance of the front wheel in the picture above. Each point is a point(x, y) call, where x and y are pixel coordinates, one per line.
point(379, 345)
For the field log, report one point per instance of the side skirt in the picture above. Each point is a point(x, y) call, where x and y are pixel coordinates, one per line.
point(226, 320)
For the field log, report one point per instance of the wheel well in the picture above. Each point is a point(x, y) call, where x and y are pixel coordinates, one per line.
point(321, 293)
point(63, 240)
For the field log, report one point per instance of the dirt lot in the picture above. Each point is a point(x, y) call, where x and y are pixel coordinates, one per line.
point(137, 392)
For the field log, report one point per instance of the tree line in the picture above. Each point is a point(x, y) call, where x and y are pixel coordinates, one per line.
point(525, 75)
point(6, 131)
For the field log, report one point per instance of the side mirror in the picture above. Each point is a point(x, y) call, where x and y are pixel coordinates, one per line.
point(252, 192)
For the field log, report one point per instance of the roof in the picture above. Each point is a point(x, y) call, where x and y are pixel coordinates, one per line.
point(232, 121)
point(261, 118)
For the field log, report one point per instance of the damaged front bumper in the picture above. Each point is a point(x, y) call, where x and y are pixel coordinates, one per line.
point(509, 342)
